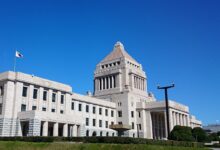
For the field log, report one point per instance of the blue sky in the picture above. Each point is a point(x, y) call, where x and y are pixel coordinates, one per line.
point(175, 41)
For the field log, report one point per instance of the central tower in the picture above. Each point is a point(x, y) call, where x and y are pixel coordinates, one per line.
point(120, 78)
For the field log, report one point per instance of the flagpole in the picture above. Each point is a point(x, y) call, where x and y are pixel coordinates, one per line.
point(15, 62)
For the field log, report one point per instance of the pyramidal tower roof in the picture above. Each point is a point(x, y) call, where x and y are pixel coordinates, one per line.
point(118, 52)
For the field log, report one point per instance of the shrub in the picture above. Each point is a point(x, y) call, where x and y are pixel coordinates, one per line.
point(109, 140)
point(181, 133)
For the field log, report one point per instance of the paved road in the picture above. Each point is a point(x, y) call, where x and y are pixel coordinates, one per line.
point(215, 148)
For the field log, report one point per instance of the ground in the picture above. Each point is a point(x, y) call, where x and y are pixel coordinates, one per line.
point(74, 146)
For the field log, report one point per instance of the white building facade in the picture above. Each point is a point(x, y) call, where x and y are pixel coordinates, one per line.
point(33, 106)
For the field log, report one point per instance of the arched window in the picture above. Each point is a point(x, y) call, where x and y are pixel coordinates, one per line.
point(101, 133)
point(94, 133)
point(113, 134)
point(107, 134)
point(87, 132)
point(133, 135)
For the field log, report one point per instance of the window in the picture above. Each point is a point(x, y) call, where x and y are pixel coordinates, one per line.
point(119, 113)
point(53, 110)
point(100, 123)
point(35, 93)
point(140, 126)
point(61, 111)
point(45, 95)
point(0, 109)
point(87, 132)
point(80, 107)
point(93, 110)
point(119, 122)
point(72, 106)
point(100, 111)
point(87, 121)
point(132, 114)
point(112, 123)
point(87, 108)
point(106, 112)
point(24, 92)
point(112, 113)
point(139, 114)
point(106, 124)
point(54, 97)
point(62, 99)
point(132, 124)
point(34, 107)
point(1, 91)
point(94, 122)
point(23, 107)
point(44, 109)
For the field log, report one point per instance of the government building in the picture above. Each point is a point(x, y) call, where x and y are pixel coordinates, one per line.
point(119, 106)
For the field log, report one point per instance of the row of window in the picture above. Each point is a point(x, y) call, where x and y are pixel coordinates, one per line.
point(45, 95)
point(138, 126)
point(100, 123)
point(136, 66)
point(87, 109)
point(111, 65)
point(132, 114)
point(24, 108)
point(95, 134)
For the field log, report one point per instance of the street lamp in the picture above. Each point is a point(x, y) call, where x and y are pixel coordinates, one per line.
point(165, 88)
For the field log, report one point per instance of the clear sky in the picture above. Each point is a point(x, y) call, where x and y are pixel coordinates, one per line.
point(175, 41)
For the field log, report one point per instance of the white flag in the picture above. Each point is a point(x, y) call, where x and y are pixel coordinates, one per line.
point(18, 54)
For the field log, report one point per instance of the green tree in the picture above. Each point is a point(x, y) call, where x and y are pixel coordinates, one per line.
point(199, 134)
point(213, 137)
point(218, 133)
point(181, 133)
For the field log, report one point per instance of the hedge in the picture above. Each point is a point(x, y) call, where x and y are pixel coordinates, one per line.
point(115, 140)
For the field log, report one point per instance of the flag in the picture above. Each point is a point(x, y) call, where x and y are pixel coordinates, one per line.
point(18, 54)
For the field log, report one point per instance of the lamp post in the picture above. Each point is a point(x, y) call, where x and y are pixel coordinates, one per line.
point(165, 88)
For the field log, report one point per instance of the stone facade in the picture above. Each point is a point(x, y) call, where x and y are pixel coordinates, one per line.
point(33, 106)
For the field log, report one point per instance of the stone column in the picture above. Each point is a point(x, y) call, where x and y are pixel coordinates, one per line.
point(112, 81)
point(75, 130)
point(72, 131)
point(45, 128)
point(55, 129)
point(177, 118)
point(78, 130)
point(171, 119)
point(65, 130)
point(180, 116)
point(109, 82)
